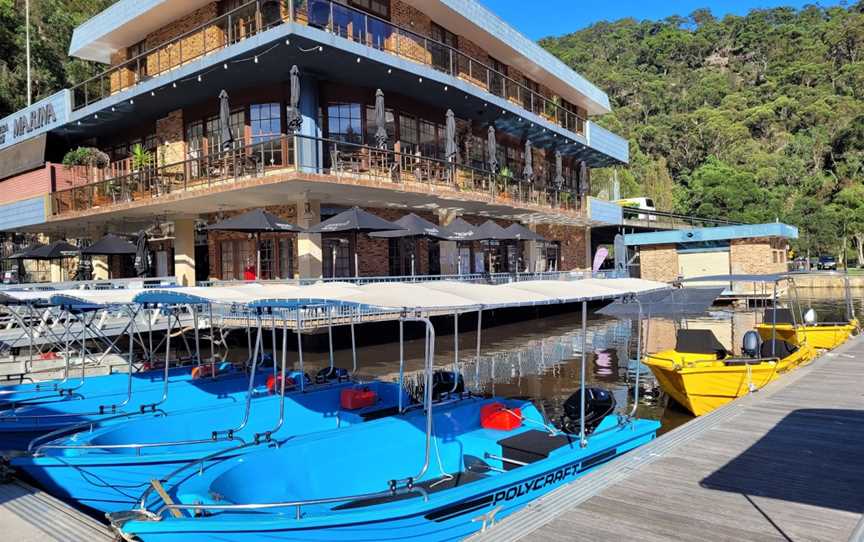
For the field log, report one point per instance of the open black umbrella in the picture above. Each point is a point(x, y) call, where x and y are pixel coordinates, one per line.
point(22, 254)
point(53, 251)
point(380, 120)
point(416, 227)
point(142, 255)
point(354, 220)
point(256, 221)
point(295, 119)
point(492, 150)
point(491, 231)
point(521, 233)
point(110, 245)
point(226, 137)
point(528, 170)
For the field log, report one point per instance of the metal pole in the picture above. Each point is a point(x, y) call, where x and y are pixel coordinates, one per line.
point(582, 441)
point(330, 338)
point(455, 352)
point(197, 335)
point(477, 353)
point(300, 352)
point(212, 341)
point(353, 346)
point(401, 362)
point(27, 40)
point(774, 323)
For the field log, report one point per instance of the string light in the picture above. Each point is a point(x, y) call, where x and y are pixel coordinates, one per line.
point(225, 66)
point(131, 102)
point(256, 59)
point(199, 78)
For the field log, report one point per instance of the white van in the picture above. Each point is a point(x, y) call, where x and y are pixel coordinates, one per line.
point(646, 204)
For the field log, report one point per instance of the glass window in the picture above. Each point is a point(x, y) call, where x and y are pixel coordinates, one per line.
point(139, 69)
point(214, 131)
point(345, 123)
point(431, 139)
point(337, 260)
point(266, 128)
point(227, 250)
point(408, 136)
point(267, 247)
point(286, 258)
point(380, 8)
point(496, 77)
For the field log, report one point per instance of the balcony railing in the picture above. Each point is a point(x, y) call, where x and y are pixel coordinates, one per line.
point(344, 162)
point(259, 15)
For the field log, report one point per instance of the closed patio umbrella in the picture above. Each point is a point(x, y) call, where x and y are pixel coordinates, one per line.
point(256, 222)
point(226, 137)
point(583, 178)
point(380, 120)
point(450, 137)
point(528, 170)
point(559, 171)
point(492, 149)
point(295, 119)
point(416, 227)
point(354, 220)
point(142, 255)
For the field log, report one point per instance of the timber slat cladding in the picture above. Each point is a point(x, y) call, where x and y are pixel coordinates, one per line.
point(786, 463)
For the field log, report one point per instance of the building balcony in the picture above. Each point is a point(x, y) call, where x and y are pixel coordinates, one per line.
point(257, 17)
point(360, 172)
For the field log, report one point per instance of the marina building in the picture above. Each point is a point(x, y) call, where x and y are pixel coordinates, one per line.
point(302, 80)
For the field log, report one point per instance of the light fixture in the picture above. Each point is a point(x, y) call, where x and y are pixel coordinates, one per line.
point(131, 102)
point(199, 78)
point(389, 71)
point(446, 88)
point(174, 84)
point(225, 66)
point(503, 112)
point(113, 109)
point(256, 59)
point(420, 79)
point(79, 123)
point(152, 93)
point(287, 42)
point(96, 116)
point(320, 48)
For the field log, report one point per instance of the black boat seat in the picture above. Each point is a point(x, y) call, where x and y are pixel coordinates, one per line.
point(530, 446)
point(780, 349)
point(699, 341)
point(784, 316)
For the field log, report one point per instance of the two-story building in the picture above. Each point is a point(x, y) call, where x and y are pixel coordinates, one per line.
point(307, 142)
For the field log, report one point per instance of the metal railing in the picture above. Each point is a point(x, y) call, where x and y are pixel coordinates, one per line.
point(257, 16)
point(344, 161)
point(663, 218)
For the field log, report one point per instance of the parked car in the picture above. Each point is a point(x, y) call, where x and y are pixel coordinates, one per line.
point(827, 263)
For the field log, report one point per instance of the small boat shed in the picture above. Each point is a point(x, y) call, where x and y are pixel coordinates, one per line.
point(667, 256)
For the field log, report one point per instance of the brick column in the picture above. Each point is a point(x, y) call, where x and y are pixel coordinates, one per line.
point(309, 256)
point(448, 250)
point(184, 251)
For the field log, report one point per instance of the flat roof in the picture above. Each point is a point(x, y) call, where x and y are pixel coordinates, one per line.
point(721, 233)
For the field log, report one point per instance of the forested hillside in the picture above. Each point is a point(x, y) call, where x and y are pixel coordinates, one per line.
point(751, 118)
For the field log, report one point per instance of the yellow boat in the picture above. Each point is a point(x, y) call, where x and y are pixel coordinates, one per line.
point(701, 375)
point(816, 335)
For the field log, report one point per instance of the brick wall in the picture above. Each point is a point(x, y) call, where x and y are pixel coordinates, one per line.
point(404, 44)
point(572, 239)
point(169, 135)
point(26, 185)
point(757, 256)
point(659, 262)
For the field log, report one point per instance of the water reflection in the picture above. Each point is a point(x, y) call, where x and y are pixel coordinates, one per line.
point(540, 358)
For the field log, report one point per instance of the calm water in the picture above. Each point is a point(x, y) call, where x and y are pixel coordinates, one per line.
point(540, 358)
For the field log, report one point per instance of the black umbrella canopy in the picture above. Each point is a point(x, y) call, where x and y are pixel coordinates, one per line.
point(380, 120)
point(54, 251)
point(354, 219)
point(142, 259)
point(415, 226)
point(255, 221)
point(450, 137)
point(461, 230)
point(528, 171)
point(23, 255)
point(110, 245)
point(492, 149)
point(521, 233)
point(295, 119)
point(226, 137)
point(491, 231)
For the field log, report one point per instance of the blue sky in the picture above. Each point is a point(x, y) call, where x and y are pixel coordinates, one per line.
point(542, 18)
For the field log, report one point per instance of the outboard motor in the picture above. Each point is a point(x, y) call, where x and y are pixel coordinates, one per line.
point(810, 317)
point(750, 344)
point(328, 374)
point(599, 403)
point(443, 383)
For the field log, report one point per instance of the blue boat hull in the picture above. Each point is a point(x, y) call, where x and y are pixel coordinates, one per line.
point(450, 513)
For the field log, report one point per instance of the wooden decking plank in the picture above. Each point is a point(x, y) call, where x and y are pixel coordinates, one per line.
point(784, 463)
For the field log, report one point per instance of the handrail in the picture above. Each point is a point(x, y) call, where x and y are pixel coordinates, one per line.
point(637, 214)
point(453, 59)
point(345, 160)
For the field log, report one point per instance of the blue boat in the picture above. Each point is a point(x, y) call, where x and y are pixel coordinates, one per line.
point(107, 469)
point(440, 472)
point(349, 484)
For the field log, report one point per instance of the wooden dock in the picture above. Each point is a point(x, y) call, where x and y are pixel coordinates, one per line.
point(786, 464)
point(30, 515)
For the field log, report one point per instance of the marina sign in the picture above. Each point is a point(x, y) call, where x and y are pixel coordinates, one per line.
point(40, 117)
